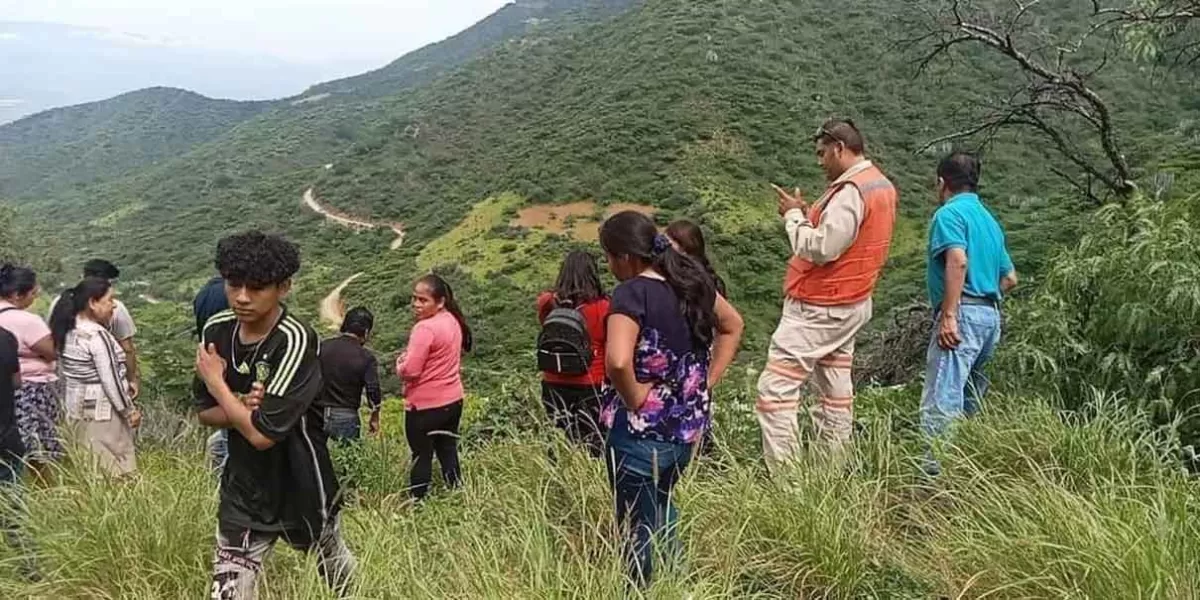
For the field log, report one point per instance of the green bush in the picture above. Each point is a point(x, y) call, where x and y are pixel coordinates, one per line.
point(1120, 312)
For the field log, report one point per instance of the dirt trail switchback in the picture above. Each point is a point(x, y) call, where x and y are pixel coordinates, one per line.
point(333, 308)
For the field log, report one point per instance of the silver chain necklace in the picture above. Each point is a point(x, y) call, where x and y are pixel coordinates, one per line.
point(243, 368)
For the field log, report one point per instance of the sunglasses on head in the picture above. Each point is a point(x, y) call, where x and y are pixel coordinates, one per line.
point(824, 131)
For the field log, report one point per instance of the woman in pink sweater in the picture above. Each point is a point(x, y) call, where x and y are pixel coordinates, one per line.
point(431, 369)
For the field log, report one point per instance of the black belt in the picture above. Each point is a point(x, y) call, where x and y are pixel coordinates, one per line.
point(978, 301)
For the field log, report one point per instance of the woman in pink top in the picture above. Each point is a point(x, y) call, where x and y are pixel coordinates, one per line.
point(431, 369)
point(37, 400)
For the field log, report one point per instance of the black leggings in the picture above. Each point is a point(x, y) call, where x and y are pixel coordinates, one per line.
point(429, 432)
point(576, 410)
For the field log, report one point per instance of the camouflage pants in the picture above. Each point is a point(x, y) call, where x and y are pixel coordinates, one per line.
point(240, 554)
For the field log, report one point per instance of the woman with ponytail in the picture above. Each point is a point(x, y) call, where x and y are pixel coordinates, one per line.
point(99, 403)
point(687, 238)
point(670, 338)
point(431, 369)
point(36, 404)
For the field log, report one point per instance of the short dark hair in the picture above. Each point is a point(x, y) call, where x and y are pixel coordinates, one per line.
point(960, 170)
point(256, 259)
point(16, 281)
point(100, 268)
point(844, 131)
point(358, 321)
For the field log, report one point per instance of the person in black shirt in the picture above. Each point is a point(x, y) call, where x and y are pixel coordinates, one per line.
point(209, 301)
point(349, 369)
point(258, 374)
point(12, 451)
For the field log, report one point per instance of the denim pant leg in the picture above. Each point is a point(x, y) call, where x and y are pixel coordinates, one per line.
point(343, 424)
point(949, 374)
point(217, 447)
point(988, 331)
point(10, 492)
point(643, 474)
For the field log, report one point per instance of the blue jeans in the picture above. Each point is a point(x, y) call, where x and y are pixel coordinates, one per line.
point(217, 447)
point(11, 468)
point(342, 424)
point(954, 379)
point(643, 474)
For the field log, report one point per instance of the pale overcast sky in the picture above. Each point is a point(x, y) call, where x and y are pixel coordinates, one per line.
point(361, 31)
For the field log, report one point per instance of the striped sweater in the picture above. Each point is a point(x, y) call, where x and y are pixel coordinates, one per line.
point(92, 367)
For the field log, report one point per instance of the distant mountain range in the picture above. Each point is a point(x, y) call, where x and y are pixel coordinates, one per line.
point(45, 65)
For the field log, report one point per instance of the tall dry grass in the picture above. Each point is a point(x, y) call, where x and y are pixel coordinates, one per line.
point(1032, 505)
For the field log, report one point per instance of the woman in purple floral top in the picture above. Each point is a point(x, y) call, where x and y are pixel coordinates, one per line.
point(670, 338)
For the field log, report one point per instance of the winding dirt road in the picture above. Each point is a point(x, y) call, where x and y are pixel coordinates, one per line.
point(333, 308)
point(310, 200)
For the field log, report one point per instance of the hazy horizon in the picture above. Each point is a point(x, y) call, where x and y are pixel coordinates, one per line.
point(65, 52)
point(364, 33)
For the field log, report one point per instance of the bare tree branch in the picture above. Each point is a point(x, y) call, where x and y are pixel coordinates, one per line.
point(1051, 88)
point(1084, 188)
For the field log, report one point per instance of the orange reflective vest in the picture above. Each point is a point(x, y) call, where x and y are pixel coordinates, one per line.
point(851, 278)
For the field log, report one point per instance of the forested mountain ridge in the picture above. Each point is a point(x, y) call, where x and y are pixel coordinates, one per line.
point(690, 109)
point(109, 139)
point(513, 22)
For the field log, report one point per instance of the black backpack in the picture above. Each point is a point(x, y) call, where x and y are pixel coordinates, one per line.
point(564, 346)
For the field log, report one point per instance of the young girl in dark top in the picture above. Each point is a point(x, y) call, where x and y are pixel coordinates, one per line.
point(670, 337)
point(573, 401)
point(687, 238)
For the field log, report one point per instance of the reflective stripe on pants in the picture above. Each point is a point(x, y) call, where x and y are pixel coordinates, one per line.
point(817, 343)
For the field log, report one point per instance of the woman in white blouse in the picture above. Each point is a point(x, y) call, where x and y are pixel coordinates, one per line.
point(99, 406)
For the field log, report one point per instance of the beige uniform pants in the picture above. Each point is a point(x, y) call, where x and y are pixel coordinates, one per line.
point(817, 342)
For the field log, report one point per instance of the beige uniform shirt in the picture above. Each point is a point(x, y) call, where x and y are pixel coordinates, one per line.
point(840, 220)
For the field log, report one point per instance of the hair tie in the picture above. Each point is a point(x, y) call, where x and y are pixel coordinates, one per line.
point(662, 243)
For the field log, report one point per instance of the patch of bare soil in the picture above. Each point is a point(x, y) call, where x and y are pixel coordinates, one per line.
point(576, 220)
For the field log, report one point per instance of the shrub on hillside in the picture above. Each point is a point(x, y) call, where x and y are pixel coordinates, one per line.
point(1120, 311)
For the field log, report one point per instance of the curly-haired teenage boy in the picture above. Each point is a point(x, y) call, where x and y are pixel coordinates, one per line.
point(257, 373)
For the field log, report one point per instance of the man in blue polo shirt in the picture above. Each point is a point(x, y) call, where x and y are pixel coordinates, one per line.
point(968, 273)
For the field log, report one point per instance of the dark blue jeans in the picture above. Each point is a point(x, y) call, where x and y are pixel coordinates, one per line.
point(643, 474)
point(342, 424)
point(11, 468)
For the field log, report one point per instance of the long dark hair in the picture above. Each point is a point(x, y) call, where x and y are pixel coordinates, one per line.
point(71, 303)
point(632, 234)
point(690, 239)
point(578, 280)
point(442, 291)
point(16, 281)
